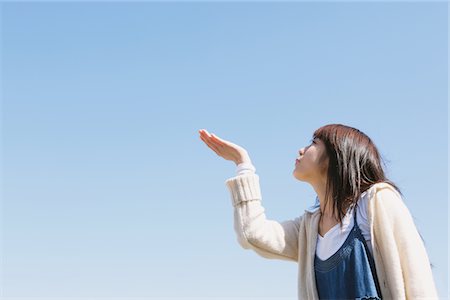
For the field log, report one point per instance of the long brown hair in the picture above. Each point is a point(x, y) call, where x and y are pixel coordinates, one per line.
point(354, 166)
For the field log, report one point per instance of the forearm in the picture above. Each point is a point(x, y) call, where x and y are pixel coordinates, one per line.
point(268, 238)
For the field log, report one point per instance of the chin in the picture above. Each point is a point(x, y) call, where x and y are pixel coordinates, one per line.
point(297, 176)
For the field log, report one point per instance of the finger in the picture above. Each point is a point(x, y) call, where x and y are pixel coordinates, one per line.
point(218, 140)
point(213, 148)
point(218, 144)
point(205, 133)
point(211, 145)
point(215, 140)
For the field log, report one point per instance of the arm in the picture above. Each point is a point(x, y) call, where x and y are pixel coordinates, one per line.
point(394, 230)
point(268, 238)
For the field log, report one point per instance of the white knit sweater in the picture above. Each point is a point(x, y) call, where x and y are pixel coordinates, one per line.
point(400, 256)
point(336, 236)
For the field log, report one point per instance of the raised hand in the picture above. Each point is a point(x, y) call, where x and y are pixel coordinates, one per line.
point(223, 148)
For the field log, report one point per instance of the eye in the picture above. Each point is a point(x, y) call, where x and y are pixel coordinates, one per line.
point(312, 141)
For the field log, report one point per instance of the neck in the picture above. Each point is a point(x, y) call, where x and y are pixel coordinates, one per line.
point(320, 187)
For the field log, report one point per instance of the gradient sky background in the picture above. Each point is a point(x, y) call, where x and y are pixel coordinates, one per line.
point(107, 189)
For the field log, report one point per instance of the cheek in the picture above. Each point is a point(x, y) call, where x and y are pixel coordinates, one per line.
point(313, 164)
point(313, 159)
point(323, 165)
point(306, 165)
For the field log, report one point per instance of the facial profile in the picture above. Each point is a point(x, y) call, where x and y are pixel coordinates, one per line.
point(340, 163)
point(311, 164)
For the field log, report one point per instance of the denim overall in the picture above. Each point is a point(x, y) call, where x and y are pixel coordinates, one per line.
point(350, 272)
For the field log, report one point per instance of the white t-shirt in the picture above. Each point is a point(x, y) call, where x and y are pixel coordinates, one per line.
point(335, 237)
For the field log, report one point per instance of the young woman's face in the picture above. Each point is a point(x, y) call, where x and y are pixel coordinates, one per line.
point(308, 166)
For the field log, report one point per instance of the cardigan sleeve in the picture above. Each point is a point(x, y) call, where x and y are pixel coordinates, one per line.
point(268, 238)
point(405, 259)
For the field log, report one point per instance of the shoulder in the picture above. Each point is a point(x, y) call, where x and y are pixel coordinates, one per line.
point(384, 198)
point(384, 192)
point(379, 192)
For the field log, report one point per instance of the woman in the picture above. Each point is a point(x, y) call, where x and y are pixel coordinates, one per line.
point(357, 242)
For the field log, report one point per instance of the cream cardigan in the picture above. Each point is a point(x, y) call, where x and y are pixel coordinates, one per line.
point(401, 259)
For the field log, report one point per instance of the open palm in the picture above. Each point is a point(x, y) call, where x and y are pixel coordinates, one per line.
point(223, 148)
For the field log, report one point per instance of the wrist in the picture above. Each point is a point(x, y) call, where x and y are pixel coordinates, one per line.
point(245, 167)
point(243, 161)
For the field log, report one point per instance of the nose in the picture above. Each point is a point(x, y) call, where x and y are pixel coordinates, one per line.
point(302, 151)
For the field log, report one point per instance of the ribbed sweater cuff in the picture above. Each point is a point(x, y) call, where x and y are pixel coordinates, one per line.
point(244, 188)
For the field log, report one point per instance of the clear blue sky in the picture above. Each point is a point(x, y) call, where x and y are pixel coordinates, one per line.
point(107, 189)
